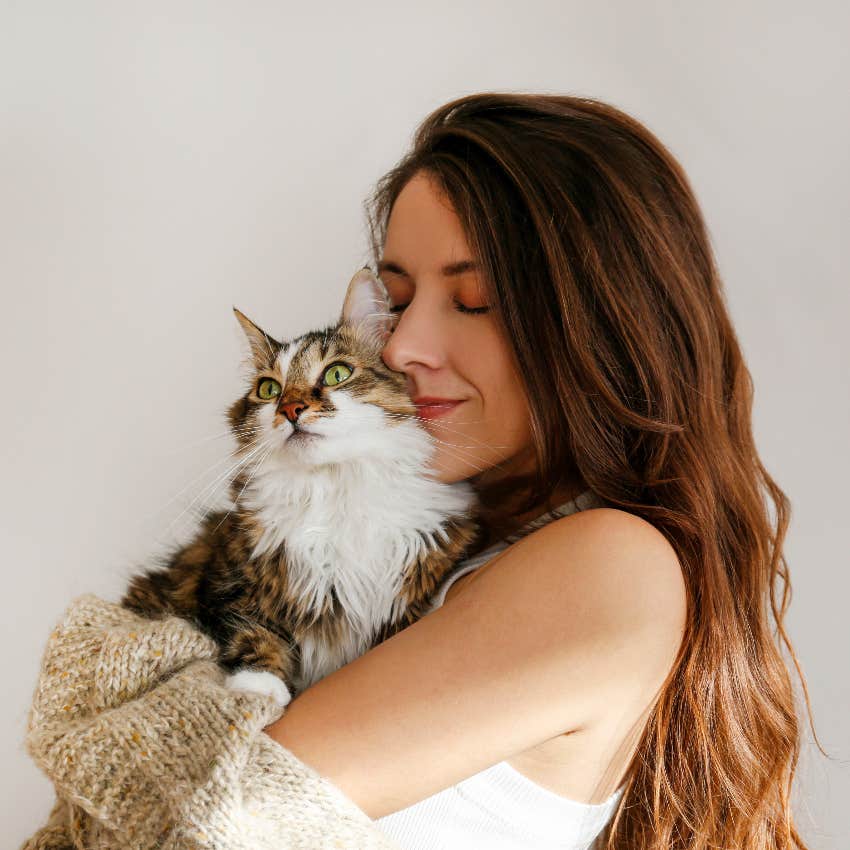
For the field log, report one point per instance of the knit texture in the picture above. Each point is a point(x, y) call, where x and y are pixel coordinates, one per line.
point(147, 748)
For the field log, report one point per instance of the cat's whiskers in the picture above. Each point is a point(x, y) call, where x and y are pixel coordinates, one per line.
point(445, 427)
point(449, 449)
point(481, 443)
point(454, 421)
point(256, 469)
point(207, 492)
point(251, 433)
point(226, 459)
point(466, 460)
point(457, 446)
point(228, 433)
point(251, 427)
point(241, 465)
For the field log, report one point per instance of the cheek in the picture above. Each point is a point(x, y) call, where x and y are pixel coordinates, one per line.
point(505, 405)
point(514, 417)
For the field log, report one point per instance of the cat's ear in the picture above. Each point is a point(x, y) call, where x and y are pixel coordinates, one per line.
point(367, 305)
point(264, 348)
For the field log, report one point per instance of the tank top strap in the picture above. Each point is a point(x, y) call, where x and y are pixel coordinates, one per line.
point(584, 501)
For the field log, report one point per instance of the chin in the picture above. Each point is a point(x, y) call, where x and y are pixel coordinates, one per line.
point(302, 447)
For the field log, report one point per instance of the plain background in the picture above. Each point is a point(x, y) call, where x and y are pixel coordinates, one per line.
point(161, 162)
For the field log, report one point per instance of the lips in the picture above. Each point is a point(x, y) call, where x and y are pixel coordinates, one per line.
point(432, 399)
point(428, 407)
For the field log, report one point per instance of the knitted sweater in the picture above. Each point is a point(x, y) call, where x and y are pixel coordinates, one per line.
point(147, 748)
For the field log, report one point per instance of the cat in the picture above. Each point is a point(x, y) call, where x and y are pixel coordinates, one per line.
point(337, 537)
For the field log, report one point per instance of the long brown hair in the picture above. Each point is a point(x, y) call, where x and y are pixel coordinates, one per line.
point(599, 268)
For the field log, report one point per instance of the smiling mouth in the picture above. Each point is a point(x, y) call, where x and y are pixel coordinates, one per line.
point(433, 411)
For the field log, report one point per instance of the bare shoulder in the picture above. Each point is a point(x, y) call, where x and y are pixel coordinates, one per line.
point(620, 542)
point(601, 545)
point(607, 549)
point(611, 541)
point(605, 586)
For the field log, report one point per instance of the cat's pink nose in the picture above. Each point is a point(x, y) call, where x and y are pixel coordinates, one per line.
point(292, 409)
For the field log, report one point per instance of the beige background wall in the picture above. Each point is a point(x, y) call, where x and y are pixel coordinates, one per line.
point(163, 161)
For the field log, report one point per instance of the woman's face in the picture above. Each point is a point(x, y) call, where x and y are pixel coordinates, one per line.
point(447, 353)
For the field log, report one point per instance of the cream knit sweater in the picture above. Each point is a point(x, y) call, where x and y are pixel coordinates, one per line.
point(147, 748)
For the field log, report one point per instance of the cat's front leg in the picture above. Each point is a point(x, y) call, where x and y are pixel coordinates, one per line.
point(261, 662)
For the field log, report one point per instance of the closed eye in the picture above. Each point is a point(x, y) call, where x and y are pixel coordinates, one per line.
point(461, 308)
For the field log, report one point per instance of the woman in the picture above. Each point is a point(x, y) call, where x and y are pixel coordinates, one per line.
point(552, 273)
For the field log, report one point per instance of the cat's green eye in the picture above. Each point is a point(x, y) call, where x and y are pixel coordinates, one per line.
point(268, 388)
point(336, 374)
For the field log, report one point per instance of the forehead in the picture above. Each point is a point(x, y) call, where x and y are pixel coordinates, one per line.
point(423, 227)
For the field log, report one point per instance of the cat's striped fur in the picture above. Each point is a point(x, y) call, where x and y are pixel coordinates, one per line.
point(337, 536)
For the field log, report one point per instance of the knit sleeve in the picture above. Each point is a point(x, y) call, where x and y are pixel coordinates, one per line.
point(146, 747)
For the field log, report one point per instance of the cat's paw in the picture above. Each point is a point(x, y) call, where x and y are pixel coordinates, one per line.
point(259, 682)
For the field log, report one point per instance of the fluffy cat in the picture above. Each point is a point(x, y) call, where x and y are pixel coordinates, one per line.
point(337, 536)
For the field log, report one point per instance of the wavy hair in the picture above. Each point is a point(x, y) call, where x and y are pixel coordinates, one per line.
point(598, 265)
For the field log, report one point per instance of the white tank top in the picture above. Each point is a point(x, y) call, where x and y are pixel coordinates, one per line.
point(500, 808)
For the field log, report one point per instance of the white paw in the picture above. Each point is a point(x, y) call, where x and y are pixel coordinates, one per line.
point(259, 682)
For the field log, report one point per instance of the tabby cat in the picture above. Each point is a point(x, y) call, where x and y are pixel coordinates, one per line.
point(337, 536)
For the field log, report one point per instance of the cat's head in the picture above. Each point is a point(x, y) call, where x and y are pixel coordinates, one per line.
point(327, 396)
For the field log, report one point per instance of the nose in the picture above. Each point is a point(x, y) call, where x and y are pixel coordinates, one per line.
point(292, 409)
point(416, 340)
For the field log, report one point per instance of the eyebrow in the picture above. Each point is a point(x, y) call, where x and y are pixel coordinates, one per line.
point(449, 270)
